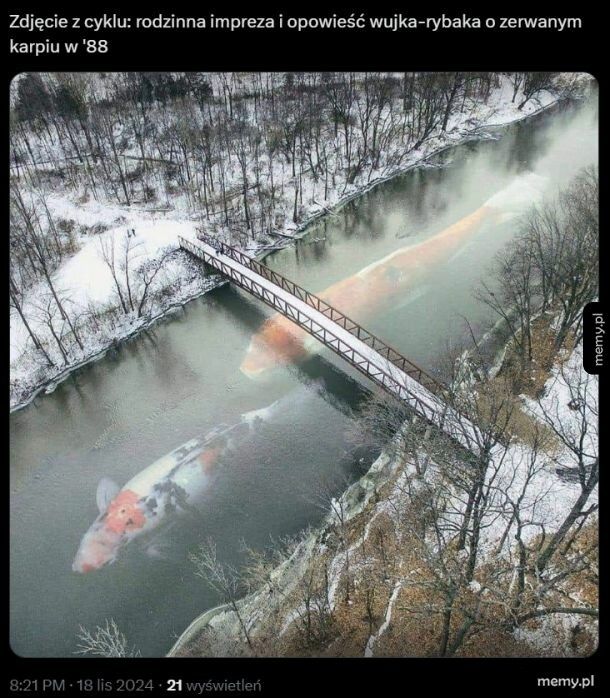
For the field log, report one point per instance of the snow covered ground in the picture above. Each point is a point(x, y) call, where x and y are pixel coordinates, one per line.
point(570, 401)
point(86, 280)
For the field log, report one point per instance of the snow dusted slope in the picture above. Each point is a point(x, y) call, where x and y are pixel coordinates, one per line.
point(87, 284)
point(86, 279)
point(380, 502)
point(568, 386)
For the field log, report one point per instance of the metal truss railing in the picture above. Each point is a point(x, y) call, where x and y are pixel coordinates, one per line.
point(391, 382)
point(351, 326)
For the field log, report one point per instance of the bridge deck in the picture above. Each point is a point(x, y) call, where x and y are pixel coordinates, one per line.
point(382, 370)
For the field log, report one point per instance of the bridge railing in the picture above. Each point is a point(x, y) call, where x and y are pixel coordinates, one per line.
point(351, 326)
point(434, 410)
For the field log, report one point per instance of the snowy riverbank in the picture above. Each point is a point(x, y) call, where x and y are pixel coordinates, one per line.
point(375, 508)
point(87, 279)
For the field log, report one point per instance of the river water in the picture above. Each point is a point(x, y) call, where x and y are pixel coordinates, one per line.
point(182, 378)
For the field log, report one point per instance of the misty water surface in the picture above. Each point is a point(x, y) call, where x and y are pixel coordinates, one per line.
point(181, 379)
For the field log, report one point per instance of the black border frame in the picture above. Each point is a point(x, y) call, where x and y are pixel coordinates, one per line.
point(274, 50)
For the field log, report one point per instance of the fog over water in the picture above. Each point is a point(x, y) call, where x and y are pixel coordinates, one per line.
point(182, 379)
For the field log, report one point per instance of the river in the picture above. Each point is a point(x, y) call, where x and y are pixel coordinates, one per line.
point(180, 379)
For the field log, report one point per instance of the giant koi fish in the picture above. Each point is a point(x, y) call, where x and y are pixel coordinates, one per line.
point(384, 284)
point(170, 485)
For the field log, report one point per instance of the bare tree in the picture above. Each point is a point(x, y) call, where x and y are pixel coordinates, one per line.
point(533, 84)
point(16, 302)
point(575, 425)
point(224, 579)
point(59, 328)
point(41, 259)
point(314, 615)
point(326, 498)
point(105, 641)
point(146, 274)
point(108, 254)
point(516, 301)
point(551, 267)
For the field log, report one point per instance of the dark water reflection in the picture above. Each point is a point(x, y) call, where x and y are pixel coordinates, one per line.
point(182, 378)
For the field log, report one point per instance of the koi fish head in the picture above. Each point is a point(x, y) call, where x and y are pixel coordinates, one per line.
point(98, 547)
point(123, 517)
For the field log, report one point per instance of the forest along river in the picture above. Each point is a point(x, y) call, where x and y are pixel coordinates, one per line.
point(182, 379)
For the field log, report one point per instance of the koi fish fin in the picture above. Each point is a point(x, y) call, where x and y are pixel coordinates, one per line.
point(159, 546)
point(107, 490)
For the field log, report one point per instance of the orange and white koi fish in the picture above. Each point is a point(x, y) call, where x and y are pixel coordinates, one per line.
point(383, 284)
point(170, 485)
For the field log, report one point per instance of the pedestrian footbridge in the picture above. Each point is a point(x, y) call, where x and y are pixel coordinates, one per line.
point(380, 363)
